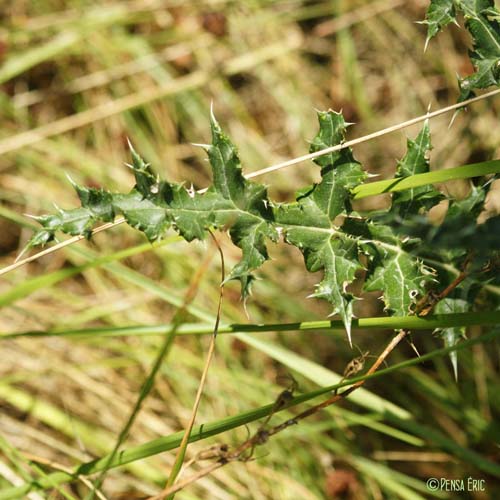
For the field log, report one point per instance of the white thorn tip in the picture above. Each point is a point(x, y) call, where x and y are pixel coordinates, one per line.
point(212, 115)
point(348, 330)
point(427, 40)
point(130, 145)
point(70, 179)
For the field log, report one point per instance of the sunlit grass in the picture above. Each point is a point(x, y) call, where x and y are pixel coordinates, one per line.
point(86, 79)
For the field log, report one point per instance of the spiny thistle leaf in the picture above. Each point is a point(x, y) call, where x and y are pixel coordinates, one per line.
point(340, 172)
point(439, 14)
point(97, 201)
point(420, 199)
point(392, 267)
point(324, 248)
point(143, 213)
point(452, 336)
point(242, 205)
point(153, 206)
point(481, 22)
point(145, 207)
point(309, 223)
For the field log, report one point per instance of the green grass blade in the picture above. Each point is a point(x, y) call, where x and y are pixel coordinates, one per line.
point(448, 174)
point(489, 318)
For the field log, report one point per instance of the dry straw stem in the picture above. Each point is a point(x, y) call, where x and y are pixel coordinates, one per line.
point(47, 482)
point(58, 246)
point(211, 350)
point(262, 436)
point(272, 168)
point(93, 13)
point(371, 136)
point(150, 61)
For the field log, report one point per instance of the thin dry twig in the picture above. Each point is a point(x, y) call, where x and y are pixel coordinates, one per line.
point(211, 350)
point(427, 304)
point(373, 135)
point(58, 246)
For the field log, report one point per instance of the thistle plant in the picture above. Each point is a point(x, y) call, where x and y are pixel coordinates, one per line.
point(481, 21)
point(321, 223)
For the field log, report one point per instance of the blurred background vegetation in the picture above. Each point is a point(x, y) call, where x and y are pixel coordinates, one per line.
point(78, 78)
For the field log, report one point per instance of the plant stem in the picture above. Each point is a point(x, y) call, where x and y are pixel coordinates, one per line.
point(430, 322)
point(211, 350)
